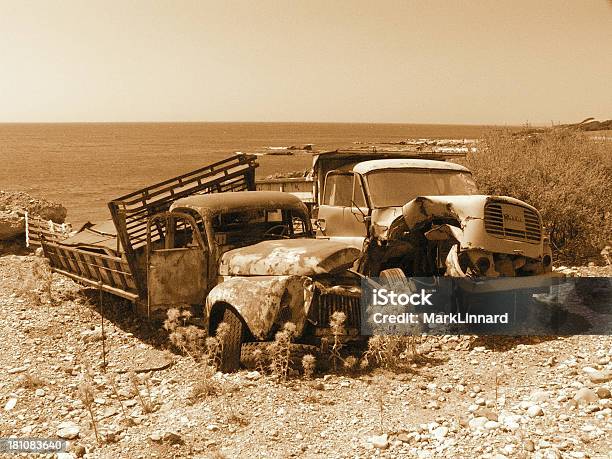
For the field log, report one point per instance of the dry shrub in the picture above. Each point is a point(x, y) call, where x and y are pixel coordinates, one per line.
point(86, 394)
point(187, 339)
point(146, 402)
point(30, 381)
point(207, 385)
point(309, 363)
point(561, 172)
point(390, 351)
point(36, 284)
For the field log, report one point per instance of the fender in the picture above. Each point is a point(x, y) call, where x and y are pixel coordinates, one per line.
point(265, 302)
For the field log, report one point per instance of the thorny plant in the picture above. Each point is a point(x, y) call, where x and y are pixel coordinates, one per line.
point(280, 351)
point(308, 365)
point(207, 385)
point(146, 404)
point(260, 360)
point(30, 381)
point(112, 382)
point(36, 285)
point(390, 351)
point(187, 339)
point(381, 408)
point(336, 323)
point(86, 395)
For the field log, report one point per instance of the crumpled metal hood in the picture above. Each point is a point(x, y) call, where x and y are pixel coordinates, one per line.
point(462, 208)
point(285, 257)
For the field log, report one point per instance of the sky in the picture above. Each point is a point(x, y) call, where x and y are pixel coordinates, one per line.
point(428, 61)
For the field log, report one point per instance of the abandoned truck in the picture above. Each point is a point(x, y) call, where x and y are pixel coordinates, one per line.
point(414, 213)
point(246, 258)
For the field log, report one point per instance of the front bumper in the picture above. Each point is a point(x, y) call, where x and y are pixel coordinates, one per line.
point(540, 283)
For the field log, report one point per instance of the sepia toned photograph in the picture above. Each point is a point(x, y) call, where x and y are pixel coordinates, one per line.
point(306, 229)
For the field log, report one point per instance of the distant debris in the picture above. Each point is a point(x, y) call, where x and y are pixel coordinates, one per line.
point(591, 124)
point(587, 125)
point(288, 151)
point(427, 145)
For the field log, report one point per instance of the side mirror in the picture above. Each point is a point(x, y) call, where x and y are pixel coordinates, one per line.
point(319, 223)
point(360, 214)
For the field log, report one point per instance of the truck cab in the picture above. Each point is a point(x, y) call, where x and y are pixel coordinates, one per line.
point(424, 215)
point(251, 260)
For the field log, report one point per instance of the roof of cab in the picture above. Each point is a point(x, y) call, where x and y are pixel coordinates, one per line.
point(216, 203)
point(377, 164)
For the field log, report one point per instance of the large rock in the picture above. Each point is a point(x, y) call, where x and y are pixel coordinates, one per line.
point(13, 207)
point(11, 225)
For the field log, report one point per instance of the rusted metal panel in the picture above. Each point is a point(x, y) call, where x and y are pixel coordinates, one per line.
point(299, 257)
point(469, 212)
point(265, 302)
point(176, 276)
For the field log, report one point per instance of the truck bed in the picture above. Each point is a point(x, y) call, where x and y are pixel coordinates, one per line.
point(118, 266)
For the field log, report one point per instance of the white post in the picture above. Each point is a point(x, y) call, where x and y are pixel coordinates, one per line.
point(27, 229)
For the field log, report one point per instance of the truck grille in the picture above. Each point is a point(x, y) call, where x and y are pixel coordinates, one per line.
point(497, 225)
point(328, 303)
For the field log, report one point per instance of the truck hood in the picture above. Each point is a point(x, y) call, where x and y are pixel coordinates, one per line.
point(284, 257)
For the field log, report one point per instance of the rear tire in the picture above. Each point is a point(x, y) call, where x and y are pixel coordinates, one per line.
point(230, 356)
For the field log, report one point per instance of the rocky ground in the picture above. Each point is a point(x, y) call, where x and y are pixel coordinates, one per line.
point(467, 397)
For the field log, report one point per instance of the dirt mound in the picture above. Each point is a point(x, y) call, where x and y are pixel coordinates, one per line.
point(15, 204)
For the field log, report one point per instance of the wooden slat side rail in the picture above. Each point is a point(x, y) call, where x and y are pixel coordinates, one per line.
point(131, 212)
point(36, 228)
point(112, 274)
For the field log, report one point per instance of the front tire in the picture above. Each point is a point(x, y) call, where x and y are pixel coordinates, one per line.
point(396, 279)
point(232, 342)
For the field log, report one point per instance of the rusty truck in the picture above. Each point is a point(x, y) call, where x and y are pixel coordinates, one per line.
point(416, 213)
point(206, 241)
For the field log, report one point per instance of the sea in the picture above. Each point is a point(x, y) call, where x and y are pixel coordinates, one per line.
point(85, 165)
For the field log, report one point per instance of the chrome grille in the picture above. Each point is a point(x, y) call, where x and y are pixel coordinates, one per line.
point(495, 225)
point(328, 303)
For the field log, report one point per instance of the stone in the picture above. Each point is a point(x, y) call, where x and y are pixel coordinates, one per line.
point(77, 450)
point(39, 392)
point(10, 404)
point(379, 441)
point(15, 204)
point(12, 224)
point(487, 413)
point(68, 430)
point(172, 438)
point(603, 392)
point(585, 395)
point(529, 446)
point(12, 371)
point(491, 425)
point(477, 423)
point(212, 427)
point(440, 432)
point(535, 410)
point(253, 375)
point(540, 396)
point(600, 377)
point(550, 453)
point(91, 336)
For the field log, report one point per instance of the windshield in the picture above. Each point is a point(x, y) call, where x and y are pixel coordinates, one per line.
point(394, 188)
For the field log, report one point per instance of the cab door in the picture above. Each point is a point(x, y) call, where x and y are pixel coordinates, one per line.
point(343, 213)
point(177, 261)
